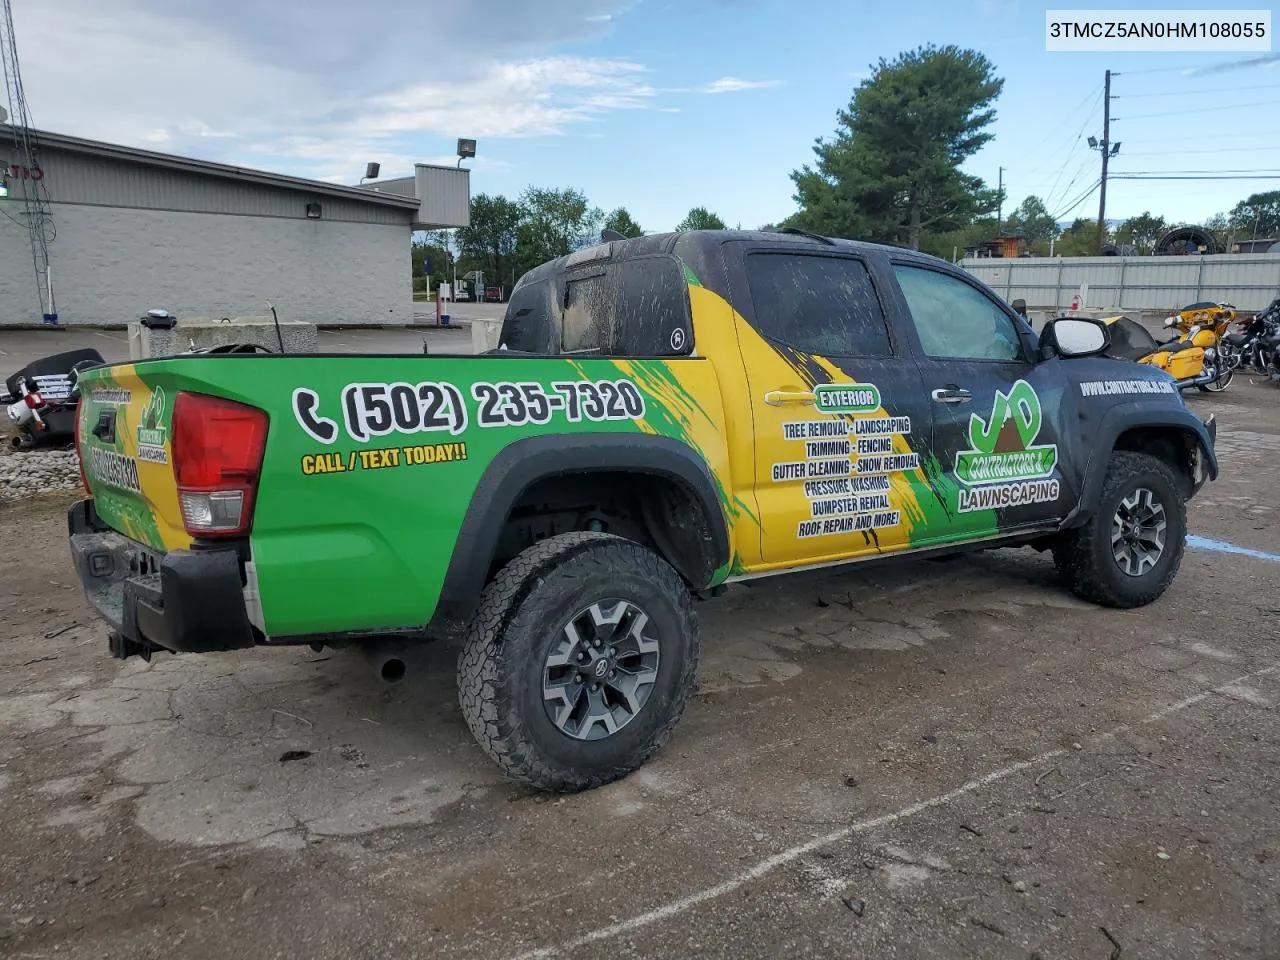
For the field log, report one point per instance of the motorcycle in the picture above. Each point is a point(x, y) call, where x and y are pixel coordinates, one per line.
point(1269, 350)
point(1199, 356)
point(1252, 337)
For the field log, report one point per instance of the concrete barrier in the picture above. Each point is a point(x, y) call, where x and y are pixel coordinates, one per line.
point(485, 334)
point(202, 333)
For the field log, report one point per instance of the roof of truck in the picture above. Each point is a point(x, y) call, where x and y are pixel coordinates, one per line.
point(707, 240)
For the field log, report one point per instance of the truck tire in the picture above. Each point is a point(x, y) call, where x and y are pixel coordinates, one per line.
point(1129, 551)
point(579, 661)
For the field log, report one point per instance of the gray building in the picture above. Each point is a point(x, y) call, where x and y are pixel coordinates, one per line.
point(130, 230)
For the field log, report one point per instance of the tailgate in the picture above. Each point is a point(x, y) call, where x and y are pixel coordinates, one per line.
point(125, 446)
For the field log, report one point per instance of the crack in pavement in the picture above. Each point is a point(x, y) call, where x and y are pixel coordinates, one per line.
point(685, 903)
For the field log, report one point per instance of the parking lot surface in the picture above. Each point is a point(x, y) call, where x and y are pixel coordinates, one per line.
point(927, 759)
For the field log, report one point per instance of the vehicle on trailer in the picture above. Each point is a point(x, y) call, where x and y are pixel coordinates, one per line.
point(664, 416)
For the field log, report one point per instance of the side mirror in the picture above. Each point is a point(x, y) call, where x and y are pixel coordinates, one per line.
point(1073, 337)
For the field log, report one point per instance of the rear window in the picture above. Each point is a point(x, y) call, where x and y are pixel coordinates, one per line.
point(631, 308)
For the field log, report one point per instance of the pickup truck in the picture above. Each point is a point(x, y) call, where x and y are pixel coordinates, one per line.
point(664, 415)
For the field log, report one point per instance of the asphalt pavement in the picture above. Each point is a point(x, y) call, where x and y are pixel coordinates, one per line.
point(923, 759)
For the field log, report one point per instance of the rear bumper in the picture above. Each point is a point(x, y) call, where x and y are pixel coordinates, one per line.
point(185, 601)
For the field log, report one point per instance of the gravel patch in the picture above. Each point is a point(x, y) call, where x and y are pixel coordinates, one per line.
point(27, 473)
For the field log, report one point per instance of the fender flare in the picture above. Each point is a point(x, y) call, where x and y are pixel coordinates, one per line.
point(1137, 414)
point(525, 462)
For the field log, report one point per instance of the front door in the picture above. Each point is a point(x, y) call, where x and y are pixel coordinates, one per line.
point(995, 410)
point(837, 405)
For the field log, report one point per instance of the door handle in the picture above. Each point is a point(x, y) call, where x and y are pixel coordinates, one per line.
point(952, 395)
point(776, 398)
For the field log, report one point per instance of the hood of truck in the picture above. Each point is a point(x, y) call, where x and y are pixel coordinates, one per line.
point(125, 445)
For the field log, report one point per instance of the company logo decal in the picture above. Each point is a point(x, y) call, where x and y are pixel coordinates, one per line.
point(1003, 461)
point(152, 432)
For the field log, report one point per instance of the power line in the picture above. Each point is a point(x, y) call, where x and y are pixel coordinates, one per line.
point(1183, 137)
point(1134, 73)
point(1217, 109)
point(1143, 173)
point(1192, 93)
point(1188, 153)
point(1235, 176)
point(1056, 198)
point(1078, 200)
point(1092, 98)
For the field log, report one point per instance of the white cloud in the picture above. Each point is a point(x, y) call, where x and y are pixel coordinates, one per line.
point(309, 87)
point(310, 93)
point(733, 85)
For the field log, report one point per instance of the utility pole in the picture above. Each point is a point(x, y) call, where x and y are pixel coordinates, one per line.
point(1106, 155)
point(1000, 192)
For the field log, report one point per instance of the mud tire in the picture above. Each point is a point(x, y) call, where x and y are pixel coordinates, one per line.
point(522, 613)
point(1085, 556)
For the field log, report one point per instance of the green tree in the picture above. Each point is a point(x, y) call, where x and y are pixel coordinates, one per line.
point(489, 243)
point(1219, 226)
point(620, 222)
point(956, 242)
point(1257, 216)
point(892, 170)
point(429, 254)
point(1080, 239)
point(1032, 219)
point(555, 222)
point(1143, 231)
point(700, 218)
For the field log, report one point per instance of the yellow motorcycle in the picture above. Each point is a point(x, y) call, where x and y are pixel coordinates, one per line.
point(1198, 356)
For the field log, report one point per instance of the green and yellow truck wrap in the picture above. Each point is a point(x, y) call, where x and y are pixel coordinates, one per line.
point(737, 404)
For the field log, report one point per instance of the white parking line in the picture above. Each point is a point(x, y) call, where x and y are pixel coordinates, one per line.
point(681, 904)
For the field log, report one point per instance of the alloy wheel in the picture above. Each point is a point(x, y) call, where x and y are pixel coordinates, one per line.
point(600, 672)
point(1138, 532)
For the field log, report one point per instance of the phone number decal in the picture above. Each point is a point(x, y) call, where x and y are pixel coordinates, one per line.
point(371, 410)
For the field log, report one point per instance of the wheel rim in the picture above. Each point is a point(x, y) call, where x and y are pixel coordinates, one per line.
point(1222, 382)
point(1138, 532)
point(599, 674)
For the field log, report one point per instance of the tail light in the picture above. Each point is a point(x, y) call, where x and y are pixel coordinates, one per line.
point(34, 400)
point(84, 477)
point(217, 456)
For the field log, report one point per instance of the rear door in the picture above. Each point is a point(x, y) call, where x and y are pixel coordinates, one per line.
point(836, 402)
point(996, 413)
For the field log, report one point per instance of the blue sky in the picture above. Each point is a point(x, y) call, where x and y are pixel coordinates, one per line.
point(654, 105)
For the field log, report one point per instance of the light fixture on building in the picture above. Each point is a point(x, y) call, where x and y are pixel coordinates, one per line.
point(466, 150)
point(313, 211)
point(371, 171)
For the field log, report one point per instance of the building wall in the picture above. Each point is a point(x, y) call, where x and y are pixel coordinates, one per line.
point(71, 177)
point(1249, 281)
point(112, 264)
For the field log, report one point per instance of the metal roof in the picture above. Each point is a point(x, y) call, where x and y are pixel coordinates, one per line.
point(208, 168)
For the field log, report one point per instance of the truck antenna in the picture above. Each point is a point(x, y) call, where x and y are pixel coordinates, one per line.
point(276, 320)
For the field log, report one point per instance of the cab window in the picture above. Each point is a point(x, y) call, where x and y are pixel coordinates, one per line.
point(954, 320)
point(821, 305)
